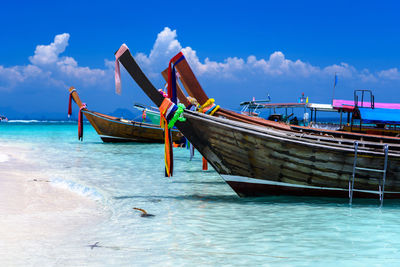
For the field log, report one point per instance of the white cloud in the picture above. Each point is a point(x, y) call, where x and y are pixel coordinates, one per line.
point(278, 65)
point(48, 67)
point(273, 66)
point(14, 76)
point(343, 69)
point(48, 64)
point(390, 74)
point(48, 54)
point(163, 49)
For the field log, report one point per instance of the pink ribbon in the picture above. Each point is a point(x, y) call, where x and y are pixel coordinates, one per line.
point(119, 53)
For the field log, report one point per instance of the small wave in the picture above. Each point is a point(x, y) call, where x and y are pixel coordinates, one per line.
point(40, 121)
point(77, 188)
point(23, 121)
point(3, 157)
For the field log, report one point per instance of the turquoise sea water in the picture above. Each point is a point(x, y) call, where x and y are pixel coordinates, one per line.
point(199, 220)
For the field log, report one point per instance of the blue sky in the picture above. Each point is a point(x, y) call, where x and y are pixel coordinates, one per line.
point(237, 49)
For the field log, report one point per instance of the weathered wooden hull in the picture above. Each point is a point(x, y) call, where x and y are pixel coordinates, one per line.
point(112, 129)
point(260, 161)
point(257, 158)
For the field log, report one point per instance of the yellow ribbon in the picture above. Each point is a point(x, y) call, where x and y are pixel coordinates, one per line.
point(208, 103)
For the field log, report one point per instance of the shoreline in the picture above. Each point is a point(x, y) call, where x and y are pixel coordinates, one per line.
point(36, 216)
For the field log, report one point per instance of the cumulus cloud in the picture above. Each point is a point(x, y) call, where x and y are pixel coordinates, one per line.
point(13, 76)
point(274, 65)
point(391, 74)
point(49, 65)
point(49, 68)
point(165, 46)
point(48, 54)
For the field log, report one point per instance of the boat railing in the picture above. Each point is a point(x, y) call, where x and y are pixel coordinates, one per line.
point(349, 137)
point(253, 106)
point(147, 107)
point(339, 140)
point(363, 92)
point(381, 182)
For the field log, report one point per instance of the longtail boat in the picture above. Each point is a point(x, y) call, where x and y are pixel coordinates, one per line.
point(258, 158)
point(382, 125)
point(3, 118)
point(362, 116)
point(113, 129)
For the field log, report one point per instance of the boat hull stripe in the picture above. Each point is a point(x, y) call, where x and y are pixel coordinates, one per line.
point(247, 180)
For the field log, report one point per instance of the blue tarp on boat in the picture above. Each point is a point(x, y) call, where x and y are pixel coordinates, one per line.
point(380, 115)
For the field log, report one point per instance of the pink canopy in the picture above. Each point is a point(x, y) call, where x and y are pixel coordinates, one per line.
point(349, 104)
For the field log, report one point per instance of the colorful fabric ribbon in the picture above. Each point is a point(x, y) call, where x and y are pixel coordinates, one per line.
point(212, 110)
point(144, 115)
point(205, 164)
point(164, 94)
point(178, 116)
point(209, 107)
point(167, 110)
point(172, 76)
point(119, 53)
point(170, 113)
point(70, 103)
point(80, 122)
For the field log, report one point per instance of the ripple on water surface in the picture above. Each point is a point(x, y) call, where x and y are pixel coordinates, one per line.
point(198, 219)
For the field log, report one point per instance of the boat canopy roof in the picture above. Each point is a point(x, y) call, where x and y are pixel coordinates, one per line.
point(273, 105)
point(316, 106)
point(348, 105)
point(321, 107)
point(380, 115)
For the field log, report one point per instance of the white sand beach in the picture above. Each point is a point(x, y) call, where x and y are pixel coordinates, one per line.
point(36, 216)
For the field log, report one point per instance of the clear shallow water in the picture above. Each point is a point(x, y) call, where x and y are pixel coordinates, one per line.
point(198, 219)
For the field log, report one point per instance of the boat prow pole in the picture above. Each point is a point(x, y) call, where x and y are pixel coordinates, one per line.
point(75, 96)
point(194, 89)
point(140, 78)
point(190, 82)
point(181, 95)
point(148, 88)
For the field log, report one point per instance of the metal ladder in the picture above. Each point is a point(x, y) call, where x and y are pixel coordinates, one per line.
point(381, 182)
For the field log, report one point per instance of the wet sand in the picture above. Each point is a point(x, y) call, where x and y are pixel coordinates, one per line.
point(36, 216)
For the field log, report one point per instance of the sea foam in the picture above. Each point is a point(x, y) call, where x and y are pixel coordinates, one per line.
point(3, 157)
point(77, 188)
point(41, 121)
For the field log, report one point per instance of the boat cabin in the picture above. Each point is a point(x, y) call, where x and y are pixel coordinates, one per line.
point(363, 114)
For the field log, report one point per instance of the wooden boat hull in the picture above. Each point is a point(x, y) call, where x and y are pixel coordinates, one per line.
point(112, 129)
point(260, 161)
point(268, 160)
